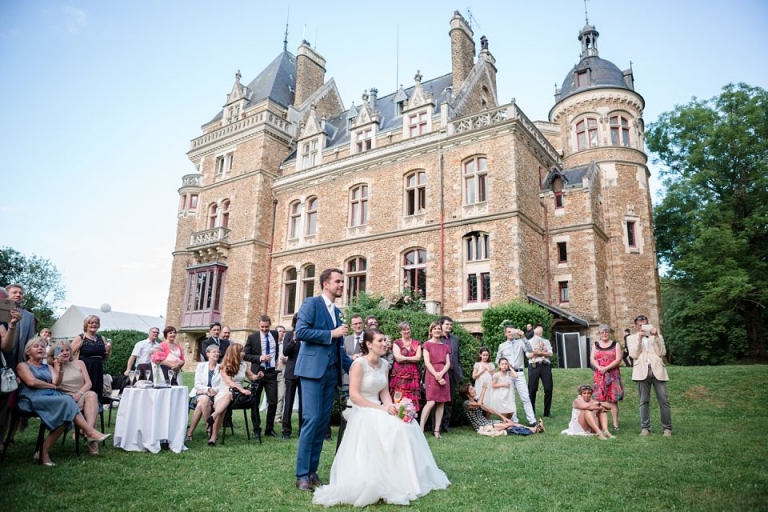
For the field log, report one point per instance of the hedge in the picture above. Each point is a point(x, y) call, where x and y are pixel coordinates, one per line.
point(122, 346)
point(516, 313)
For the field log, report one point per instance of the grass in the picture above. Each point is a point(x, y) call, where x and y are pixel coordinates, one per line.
point(716, 460)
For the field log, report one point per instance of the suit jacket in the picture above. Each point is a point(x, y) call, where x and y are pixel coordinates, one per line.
point(351, 350)
point(314, 328)
point(642, 357)
point(223, 346)
point(252, 352)
point(291, 348)
point(25, 331)
point(456, 369)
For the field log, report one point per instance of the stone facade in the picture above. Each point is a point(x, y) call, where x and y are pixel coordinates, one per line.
point(502, 208)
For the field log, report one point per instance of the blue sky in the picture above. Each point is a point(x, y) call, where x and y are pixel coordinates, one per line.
point(100, 99)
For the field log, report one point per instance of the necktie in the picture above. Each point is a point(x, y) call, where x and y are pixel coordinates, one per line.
point(269, 349)
point(357, 344)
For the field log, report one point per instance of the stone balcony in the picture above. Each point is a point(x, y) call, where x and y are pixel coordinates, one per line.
point(191, 180)
point(210, 244)
point(267, 118)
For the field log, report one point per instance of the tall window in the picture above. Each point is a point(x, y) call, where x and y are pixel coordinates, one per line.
point(415, 192)
point(311, 216)
point(417, 124)
point(356, 270)
point(415, 270)
point(563, 291)
point(294, 219)
point(308, 281)
point(213, 211)
point(363, 140)
point(476, 180)
point(619, 131)
point(631, 237)
point(358, 211)
point(204, 289)
point(478, 246)
point(224, 163)
point(193, 201)
point(479, 286)
point(289, 291)
point(586, 133)
point(224, 214)
point(562, 252)
point(557, 187)
point(309, 152)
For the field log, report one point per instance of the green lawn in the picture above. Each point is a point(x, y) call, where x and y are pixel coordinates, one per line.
point(716, 460)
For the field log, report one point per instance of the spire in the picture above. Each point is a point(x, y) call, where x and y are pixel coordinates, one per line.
point(285, 39)
point(588, 37)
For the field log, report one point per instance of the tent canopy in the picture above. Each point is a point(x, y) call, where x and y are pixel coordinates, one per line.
point(70, 324)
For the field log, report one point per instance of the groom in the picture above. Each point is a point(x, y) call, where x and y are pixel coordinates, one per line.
point(319, 365)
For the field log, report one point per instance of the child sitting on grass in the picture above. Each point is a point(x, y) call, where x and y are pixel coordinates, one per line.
point(588, 417)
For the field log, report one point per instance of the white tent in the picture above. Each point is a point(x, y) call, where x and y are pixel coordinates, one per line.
point(70, 324)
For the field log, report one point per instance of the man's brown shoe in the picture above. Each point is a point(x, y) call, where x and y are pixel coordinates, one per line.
point(303, 484)
point(315, 480)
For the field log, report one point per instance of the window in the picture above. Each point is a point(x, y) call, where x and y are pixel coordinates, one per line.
point(233, 114)
point(224, 214)
point(356, 270)
point(562, 252)
point(205, 289)
point(213, 210)
point(476, 180)
point(477, 246)
point(415, 270)
point(308, 282)
point(582, 78)
point(182, 203)
point(586, 131)
point(619, 131)
point(311, 216)
point(289, 291)
point(294, 220)
point(417, 124)
point(563, 291)
point(415, 192)
point(485, 291)
point(309, 152)
point(557, 187)
point(363, 140)
point(193, 201)
point(631, 239)
point(479, 284)
point(358, 215)
point(224, 163)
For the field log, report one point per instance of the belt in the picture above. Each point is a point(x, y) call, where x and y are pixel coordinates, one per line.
point(534, 365)
point(517, 369)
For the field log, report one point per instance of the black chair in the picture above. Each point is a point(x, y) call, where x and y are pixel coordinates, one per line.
point(112, 401)
point(240, 402)
point(16, 416)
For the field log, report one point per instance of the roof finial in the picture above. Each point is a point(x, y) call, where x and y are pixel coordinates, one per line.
point(417, 77)
point(586, 14)
point(238, 76)
point(285, 39)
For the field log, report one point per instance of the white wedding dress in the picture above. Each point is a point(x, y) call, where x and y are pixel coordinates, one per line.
point(381, 457)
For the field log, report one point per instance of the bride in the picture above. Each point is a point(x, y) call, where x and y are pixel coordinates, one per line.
point(381, 457)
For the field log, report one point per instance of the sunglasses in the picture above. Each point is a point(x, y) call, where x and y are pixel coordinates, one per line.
point(640, 318)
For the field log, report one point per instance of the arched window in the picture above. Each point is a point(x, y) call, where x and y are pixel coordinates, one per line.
point(224, 214)
point(476, 180)
point(311, 216)
point(415, 192)
point(619, 131)
point(307, 281)
point(356, 268)
point(586, 133)
point(213, 210)
point(294, 221)
point(415, 270)
point(358, 207)
point(289, 291)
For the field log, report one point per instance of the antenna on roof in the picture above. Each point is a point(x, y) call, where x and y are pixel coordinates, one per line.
point(586, 14)
point(304, 33)
point(285, 39)
point(472, 20)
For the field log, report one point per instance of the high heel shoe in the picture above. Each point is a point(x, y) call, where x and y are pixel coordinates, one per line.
point(98, 439)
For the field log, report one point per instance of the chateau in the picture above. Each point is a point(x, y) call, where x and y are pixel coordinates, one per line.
point(435, 186)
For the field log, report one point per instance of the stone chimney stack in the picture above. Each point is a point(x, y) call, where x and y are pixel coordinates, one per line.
point(462, 50)
point(310, 73)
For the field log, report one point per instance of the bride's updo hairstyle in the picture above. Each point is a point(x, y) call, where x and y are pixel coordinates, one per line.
point(368, 335)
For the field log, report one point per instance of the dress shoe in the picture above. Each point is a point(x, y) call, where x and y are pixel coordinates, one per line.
point(328, 437)
point(667, 432)
point(98, 439)
point(303, 484)
point(271, 433)
point(286, 436)
point(315, 480)
point(257, 435)
point(645, 432)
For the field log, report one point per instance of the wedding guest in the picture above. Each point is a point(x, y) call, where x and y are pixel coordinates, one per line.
point(76, 383)
point(381, 457)
point(437, 362)
point(40, 394)
point(405, 372)
point(215, 339)
point(45, 334)
point(502, 391)
point(371, 322)
point(92, 350)
point(475, 407)
point(233, 370)
point(281, 360)
point(207, 381)
point(606, 361)
point(291, 348)
point(625, 349)
point(482, 372)
point(539, 354)
point(513, 349)
point(588, 417)
point(141, 354)
point(455, 372)
point(174, 356)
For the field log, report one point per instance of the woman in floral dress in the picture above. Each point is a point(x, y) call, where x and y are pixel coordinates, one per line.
point(405, 373)
point(606, 359)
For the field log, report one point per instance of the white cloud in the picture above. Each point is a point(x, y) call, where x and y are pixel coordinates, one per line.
point(74, 19)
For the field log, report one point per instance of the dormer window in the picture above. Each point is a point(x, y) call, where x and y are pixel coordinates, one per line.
point(417, 124)
point(582, 78)
point(309, 154)
point(557, 188)
point(233, 114)
point(364, 140)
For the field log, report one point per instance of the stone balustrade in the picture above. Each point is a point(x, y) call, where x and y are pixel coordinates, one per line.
point(191, 180)
point(209, 236)
point(244, 124)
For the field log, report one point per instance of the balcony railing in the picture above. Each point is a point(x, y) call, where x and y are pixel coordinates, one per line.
point(243, 124)
point(209, 237)
point(191, 180)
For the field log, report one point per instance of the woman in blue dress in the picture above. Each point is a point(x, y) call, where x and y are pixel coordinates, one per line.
point(40, 394)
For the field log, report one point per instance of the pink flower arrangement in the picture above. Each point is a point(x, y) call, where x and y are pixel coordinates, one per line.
point(157, 356)
point(406, 410)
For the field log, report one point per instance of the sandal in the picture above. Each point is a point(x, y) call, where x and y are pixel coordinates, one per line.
point(437, 434)
point(209, 426)
point(189, 437)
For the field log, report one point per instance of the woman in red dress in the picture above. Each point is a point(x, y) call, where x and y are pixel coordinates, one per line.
point(405, 372)
point(606, 359)
point(437, 362)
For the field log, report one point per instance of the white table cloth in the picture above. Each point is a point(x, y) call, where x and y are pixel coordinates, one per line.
point(148, 416)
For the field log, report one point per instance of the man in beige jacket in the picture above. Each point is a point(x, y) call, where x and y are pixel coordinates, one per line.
point(647, 349)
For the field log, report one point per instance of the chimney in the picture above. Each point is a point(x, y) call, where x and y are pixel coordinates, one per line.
point(310, 73)
point(462, 50)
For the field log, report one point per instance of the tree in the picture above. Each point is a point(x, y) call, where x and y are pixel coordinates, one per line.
point(712, 222)
point(43, 290)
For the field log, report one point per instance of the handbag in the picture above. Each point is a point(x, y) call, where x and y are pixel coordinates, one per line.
point(241, 400)
point(8, 382)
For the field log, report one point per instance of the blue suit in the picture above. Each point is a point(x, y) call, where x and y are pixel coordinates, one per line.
point(319, 365)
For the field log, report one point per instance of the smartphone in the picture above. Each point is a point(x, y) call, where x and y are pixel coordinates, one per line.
point(57, 352)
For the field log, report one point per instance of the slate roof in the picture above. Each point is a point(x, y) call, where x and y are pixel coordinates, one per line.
point(572, 177)
point(602, 74)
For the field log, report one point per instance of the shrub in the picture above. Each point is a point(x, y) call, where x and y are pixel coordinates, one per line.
point(516, 313)
point(122, 346)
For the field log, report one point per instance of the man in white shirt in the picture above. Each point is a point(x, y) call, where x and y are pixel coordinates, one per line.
point(280, 377)
point(261, 350)
point(513, 350)
point(141, 354)
point(538, 350)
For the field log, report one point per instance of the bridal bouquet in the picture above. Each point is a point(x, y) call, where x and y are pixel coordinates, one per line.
point(406, 410)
